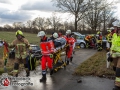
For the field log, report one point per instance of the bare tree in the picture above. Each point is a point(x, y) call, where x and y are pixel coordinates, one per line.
point(111, 20)
point(7, 27)
point(54, 22)
point(18, 25)
point(99, 12)
point(29, 24)
point(66, 25)
point(75, 7)
point(39, 23)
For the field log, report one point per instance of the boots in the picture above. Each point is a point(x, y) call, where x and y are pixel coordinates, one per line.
point(71, 59)
point(27, 73)
point(16, 75)
point(51, 71)
point(67, 62)
point(43, 79)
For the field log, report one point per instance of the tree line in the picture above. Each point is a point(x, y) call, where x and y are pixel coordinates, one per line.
point(89, 16)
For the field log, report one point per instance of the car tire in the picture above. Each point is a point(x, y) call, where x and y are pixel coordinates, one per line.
point(82, 45)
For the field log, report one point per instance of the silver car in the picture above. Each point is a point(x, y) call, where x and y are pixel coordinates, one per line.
point(80, 41)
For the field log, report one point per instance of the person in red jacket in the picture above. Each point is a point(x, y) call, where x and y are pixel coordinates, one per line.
point(70, 47)
point(47, 57)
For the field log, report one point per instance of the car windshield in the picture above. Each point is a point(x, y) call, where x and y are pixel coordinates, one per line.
point(80, 37)
point(35, 47)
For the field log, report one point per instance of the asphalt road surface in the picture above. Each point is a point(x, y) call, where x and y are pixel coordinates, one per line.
point(63, 79)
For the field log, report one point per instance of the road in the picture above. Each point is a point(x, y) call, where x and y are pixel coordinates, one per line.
point(64, 78)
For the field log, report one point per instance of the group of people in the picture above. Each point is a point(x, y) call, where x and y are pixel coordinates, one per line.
point(113, 52)
point(47, 57)
point(48, 48)
point(94, 41)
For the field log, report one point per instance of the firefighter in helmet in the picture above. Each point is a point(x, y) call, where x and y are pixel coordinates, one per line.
point(22, 47)
point(99, 40)
point(109, 39)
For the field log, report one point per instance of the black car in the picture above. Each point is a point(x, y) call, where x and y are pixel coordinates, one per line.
point(35, 51)
point(12, 53)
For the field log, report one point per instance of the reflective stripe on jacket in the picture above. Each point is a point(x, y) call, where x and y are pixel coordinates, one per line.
point(115, 43)
point(20, 47)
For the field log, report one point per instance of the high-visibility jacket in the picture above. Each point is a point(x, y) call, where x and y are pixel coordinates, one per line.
point(21, 47)
point(115, 43)
point(109, 37)
point(87, 38)
point(99, 39)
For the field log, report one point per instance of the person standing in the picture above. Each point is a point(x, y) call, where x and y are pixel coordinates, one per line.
point(99, 40)
point(109, 39)
point(115, 48)
point(47, 57)
point(22, 47)
point(71, 44)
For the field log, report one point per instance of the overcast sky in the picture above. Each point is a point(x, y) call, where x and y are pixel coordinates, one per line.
point(24, 10)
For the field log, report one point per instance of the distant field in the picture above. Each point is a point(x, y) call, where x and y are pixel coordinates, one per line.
point(10, 36)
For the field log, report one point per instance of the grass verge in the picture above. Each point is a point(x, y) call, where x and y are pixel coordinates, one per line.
point(95, 65)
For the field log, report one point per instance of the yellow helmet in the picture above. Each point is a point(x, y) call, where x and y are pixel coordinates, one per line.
point(19, 32)
point(98, 32)
point(109, 31)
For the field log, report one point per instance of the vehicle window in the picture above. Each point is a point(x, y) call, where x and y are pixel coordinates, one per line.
point(80, 37)
point(35, 48)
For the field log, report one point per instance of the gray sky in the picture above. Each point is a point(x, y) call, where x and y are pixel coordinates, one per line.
point(24, 10)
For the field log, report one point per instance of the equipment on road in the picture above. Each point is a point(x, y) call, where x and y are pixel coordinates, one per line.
point(31, 62)
point(60, 45)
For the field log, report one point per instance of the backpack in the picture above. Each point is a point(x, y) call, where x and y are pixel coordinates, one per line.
point(31, 62)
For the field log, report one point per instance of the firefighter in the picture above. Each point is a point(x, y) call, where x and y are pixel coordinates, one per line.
point(109, 39)
point(99, 40)
point(93, 41)
point(47, 59)
point(21, 46)
point(87, 40)
point(116, 57)
point(108, 46)
point(70, 47)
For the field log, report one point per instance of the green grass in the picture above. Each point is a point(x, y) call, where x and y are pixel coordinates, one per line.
point(95, 65)
point(10, 36)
